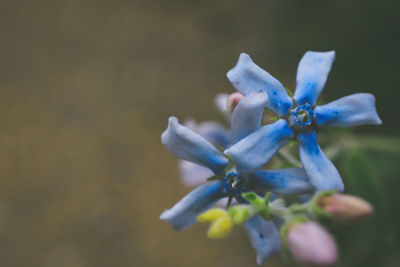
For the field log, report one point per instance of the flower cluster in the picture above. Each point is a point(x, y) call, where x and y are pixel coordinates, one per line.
point(229, 166)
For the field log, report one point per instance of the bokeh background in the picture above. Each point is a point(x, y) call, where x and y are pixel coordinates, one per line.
point(86, 88)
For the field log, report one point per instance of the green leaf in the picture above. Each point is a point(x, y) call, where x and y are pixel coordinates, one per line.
point(253, 198)
point(361, 179)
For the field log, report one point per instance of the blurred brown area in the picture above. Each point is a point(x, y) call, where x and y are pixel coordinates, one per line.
point(86, 88)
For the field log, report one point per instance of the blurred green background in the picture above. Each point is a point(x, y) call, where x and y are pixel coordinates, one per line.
point(86, 88)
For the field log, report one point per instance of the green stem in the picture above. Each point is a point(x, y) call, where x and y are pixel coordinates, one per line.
point(286, 155)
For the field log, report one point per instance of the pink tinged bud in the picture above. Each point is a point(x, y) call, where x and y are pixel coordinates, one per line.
point(309, 243)
point(233, 100)
point(345, 208)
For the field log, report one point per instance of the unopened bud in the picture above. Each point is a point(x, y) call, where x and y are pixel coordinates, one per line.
point(211, 215)
point(345, 209)
point(309, 243)
point(220, 228)
point(233, 100)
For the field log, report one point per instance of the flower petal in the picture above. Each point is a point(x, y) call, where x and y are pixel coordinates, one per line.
point(190, 146)
point(247, 116)
point(347, 111)
point(312, 74)
point(193, 174)
point(321, 171)
point(220, 102)
point(252, 152)
point(264, 237)
point(284, 181)
point(213, 132)
point(183, 214)
point(247, 78)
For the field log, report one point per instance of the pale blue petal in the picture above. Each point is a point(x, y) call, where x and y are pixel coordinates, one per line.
point(221, 101)
point(347, 111)
point(214, 132)
point(312, 74)
point(252, 152)
point(291, 181)
point(264, 238)
point(247, 78)
point(193, 174)
point(321, 171)
point(247, 115)
point(190, 146)
point(184, 213)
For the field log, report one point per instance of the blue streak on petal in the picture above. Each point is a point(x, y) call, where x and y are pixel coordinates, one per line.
point(283, 181)
point(264, 238)
point(321, 171)
point(183, 214)
point(312, 74)
point(190, 146)
point(247, 116)
point(252, 152)
point(247, 78)
point(348, 111)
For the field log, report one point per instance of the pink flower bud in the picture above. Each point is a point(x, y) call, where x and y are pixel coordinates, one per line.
point(345, 208)
point(233, 100)
point(309, 243)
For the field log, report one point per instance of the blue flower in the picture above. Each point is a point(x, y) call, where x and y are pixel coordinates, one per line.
point(199, 151)
point(300, 117)
point(216, 133)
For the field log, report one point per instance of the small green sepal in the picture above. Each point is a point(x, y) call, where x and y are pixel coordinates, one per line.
point(315, 209)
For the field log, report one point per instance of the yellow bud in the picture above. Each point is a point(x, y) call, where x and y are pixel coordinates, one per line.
point(220, 228)
point(241, 215)
point(211, 215)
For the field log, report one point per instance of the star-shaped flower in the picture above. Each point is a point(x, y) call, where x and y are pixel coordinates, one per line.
point(299, 117)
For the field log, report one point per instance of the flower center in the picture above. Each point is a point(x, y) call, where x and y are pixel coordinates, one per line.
point(235, 184)
point(302, 117)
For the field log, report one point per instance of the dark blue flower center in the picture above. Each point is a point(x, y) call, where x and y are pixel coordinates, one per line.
point(303, 115)
point(235, 184)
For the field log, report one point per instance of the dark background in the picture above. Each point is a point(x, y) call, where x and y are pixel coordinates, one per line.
point(86, 88)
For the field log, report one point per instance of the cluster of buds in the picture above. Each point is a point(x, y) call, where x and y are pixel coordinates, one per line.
point(303, 236)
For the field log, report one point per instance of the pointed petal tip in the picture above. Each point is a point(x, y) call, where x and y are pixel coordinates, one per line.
point(326, 54)
point(260, 261)
point(244, 56)
point(164, 215)
point(377, 120)
point(242, 60)
point(173, 120)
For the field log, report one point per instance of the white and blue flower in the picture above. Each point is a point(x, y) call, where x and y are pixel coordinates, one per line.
point(299, 117)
